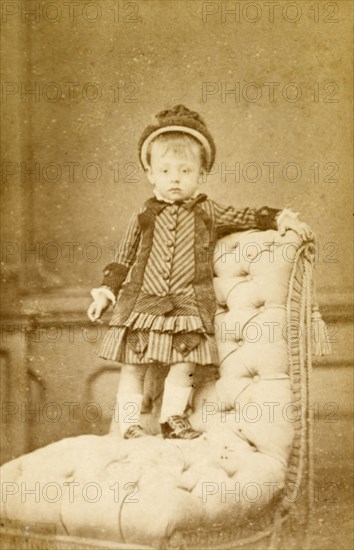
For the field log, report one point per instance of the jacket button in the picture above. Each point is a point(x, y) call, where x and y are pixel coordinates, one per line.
point(167, 258)
point(163, 294)
point(183, 346)
point(169, 243)
point(165, 276)
point(106, 272)
point(173, 210)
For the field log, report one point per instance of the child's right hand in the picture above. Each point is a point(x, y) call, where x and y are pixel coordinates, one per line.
point(98, 306)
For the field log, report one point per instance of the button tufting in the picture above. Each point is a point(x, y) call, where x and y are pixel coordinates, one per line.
point(183, 346)
point(261, 308)
point(256, 378)
point(240, 342)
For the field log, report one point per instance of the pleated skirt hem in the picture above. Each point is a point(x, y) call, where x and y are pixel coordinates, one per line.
point(158, 349)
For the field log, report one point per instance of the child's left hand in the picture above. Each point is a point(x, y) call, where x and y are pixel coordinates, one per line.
point(289, 220)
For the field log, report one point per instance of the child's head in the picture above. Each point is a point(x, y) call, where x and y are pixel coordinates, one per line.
point(176, 151)
point(176, 162)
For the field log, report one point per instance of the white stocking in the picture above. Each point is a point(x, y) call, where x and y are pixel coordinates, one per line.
point(175, 399)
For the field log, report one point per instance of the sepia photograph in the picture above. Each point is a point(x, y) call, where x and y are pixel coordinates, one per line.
point(176, 275)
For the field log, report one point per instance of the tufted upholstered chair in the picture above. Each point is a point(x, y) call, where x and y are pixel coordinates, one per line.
point(240, 481)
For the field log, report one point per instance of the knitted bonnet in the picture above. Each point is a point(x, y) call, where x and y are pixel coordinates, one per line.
point(178, 119)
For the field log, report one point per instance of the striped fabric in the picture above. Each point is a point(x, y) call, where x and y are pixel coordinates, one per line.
point(127, 250)
point(164, 325)
point(228, 218)
point(170, 268)
point(145, 347)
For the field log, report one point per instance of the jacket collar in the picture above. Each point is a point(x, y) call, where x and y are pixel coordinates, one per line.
point(158, 205)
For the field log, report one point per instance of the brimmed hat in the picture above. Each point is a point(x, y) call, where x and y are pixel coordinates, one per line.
point(178, 119)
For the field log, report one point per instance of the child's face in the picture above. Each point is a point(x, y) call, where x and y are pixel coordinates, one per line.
point(174, 176)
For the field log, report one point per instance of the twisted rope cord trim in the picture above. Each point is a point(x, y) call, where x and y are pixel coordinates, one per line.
point(296, 358)
point(310, 457)
point(299, 357)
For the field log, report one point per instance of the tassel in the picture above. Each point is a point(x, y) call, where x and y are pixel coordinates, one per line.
point(320, 339)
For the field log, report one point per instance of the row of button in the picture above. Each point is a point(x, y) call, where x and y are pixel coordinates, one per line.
point(171, 226)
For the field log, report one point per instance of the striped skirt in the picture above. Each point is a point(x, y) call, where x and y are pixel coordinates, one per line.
point(147, 338)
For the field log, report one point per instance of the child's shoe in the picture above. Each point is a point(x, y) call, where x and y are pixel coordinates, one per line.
point(134, 431)
point(178, 427)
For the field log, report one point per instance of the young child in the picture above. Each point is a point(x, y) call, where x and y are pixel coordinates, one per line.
point(161, 282)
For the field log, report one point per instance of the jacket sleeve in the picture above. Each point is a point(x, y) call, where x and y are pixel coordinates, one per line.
point(116, 272)
point(229, 219)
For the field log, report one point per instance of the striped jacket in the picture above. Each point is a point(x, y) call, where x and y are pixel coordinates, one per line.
point(165, 261)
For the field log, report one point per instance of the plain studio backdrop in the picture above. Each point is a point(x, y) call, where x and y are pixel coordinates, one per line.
point(81, 80)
